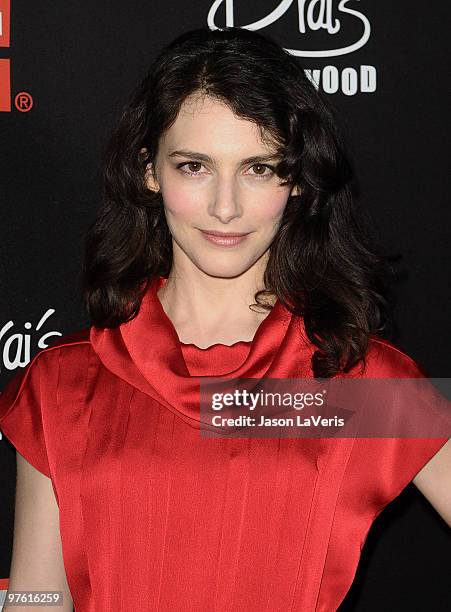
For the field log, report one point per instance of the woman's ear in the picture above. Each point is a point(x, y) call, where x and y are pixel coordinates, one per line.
point(151, 180)
point(296, 191)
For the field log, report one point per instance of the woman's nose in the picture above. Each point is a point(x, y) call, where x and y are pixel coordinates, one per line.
point(226, 203)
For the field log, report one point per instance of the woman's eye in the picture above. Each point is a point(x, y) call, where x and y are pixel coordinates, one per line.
point(194, 167)
point(261, 170)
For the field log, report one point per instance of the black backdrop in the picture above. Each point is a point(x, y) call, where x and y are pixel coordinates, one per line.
point(384, 67)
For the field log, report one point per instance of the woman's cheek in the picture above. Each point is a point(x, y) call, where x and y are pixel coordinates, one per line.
point(272, 205)
point(179, 203)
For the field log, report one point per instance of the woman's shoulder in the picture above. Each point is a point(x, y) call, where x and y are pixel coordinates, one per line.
point(70, 351)
point(73, 346)
point(76, 340)
point(384, 358)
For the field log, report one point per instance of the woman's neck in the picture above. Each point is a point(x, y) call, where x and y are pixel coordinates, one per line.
point(204, 314)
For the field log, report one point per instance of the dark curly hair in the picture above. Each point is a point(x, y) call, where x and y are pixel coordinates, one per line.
point(321, 265)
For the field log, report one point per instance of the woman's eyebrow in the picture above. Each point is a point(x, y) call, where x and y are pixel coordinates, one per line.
point(206, 158)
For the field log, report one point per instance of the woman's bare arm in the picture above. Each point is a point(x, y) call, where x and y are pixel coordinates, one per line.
point(37, 562)
point(434, 481)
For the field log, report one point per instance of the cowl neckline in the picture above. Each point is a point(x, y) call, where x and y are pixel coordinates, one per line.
point(148, 354)
point(218, 358)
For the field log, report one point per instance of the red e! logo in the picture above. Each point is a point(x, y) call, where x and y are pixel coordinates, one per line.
point(5, 64)
point(23, 100)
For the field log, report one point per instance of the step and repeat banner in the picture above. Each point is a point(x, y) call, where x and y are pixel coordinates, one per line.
point(66, 69)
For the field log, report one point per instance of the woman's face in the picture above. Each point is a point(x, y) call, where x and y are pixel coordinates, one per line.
point(209, 184)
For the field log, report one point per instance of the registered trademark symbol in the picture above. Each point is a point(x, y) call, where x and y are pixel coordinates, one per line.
point(23, 102)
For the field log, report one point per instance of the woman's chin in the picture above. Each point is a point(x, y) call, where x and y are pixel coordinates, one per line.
point(226, 270)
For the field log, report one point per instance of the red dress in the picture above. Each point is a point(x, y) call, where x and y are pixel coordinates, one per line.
point(155, 518)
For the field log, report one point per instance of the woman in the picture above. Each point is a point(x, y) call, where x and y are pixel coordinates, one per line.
point(227, 246)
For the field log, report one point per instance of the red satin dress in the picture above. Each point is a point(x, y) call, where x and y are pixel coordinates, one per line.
point(154, 517)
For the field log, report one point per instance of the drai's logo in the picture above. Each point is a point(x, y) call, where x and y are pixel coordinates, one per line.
point(312, 16)
point(17, 345)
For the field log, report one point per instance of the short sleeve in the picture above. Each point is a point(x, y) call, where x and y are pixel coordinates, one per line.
point(21, 415)
point(394, 462)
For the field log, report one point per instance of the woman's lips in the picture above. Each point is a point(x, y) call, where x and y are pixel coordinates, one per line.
point(224, 240)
